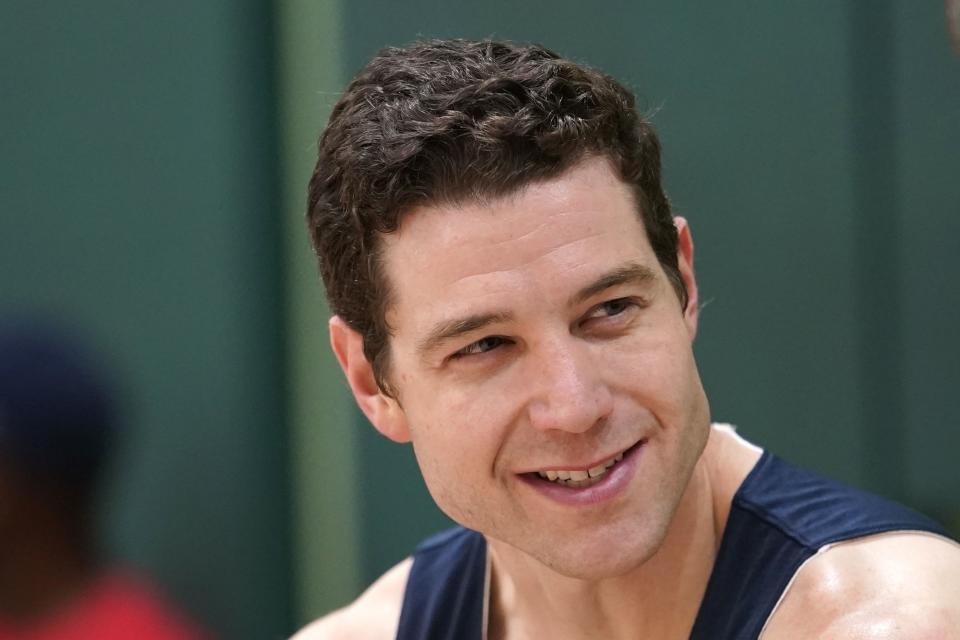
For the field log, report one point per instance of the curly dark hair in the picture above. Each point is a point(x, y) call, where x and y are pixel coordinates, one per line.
point(447, 121)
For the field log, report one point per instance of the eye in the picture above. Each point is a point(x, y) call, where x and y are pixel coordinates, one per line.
point(612, 308)
point(482, 345)
point(612, 314)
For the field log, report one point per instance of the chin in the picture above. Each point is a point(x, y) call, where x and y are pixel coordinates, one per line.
point(600, 568)
point(607, 556)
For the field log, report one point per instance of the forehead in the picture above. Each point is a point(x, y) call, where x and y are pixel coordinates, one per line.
point(543, 239)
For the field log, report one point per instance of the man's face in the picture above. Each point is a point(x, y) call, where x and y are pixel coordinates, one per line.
point(538, 333)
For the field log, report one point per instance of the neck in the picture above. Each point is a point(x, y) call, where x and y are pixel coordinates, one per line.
point(659, 598)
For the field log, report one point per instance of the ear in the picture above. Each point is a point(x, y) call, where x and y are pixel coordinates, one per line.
point(383, 411)
point(685, 263)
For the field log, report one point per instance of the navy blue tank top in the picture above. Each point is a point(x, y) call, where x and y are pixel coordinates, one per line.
point(780, 516)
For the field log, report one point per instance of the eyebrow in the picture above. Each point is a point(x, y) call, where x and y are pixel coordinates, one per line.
point(629, 273)
point(450, 329)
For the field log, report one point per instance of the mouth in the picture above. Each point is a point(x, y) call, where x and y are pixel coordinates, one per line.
point(582, 478)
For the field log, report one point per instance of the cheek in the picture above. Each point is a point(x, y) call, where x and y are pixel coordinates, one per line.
point(455, 473)
point(457, 436)
point(660, 377)
point(660, 369)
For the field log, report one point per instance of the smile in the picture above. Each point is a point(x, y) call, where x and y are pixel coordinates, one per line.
point(590, 486)
point(579, 479)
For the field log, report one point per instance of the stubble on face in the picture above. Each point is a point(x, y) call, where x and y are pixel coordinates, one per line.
point(470, 416)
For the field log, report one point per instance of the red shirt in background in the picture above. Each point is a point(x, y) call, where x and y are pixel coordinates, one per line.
point(117, 607)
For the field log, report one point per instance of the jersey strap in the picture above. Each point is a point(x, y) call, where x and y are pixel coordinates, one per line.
point(444, 595)
point(780, 517)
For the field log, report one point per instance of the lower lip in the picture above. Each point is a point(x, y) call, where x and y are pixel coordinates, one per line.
point(612, 484)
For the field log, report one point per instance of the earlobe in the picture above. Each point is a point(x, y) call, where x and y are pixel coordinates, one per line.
point(383, 411)
point(685, 263)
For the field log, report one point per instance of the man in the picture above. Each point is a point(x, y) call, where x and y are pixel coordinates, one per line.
point(56, 430)
point(513, 295)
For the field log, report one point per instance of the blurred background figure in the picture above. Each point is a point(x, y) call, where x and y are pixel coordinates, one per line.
point(57, 429)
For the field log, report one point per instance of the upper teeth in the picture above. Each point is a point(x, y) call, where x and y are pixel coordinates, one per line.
point(579, 476)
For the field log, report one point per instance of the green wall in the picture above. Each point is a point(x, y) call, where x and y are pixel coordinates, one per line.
point(926, 144)
point(138, 198)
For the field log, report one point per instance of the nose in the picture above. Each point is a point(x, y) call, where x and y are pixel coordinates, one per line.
point(568, 389)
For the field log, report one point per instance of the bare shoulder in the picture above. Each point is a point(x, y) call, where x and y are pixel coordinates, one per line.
point(374, 615)
point(895, 585)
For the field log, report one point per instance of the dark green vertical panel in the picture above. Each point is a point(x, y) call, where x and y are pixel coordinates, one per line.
point(137, 198)
point(873, 132)
point(926, 75)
